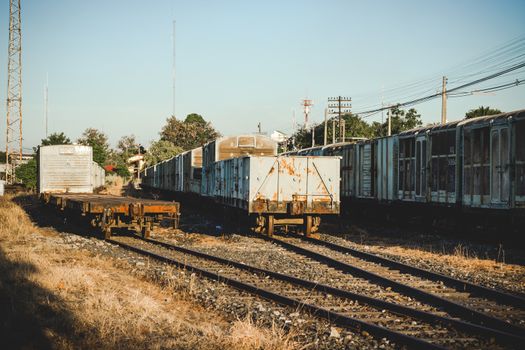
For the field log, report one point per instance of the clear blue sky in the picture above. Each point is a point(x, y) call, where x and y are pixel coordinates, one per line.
point(241, 62)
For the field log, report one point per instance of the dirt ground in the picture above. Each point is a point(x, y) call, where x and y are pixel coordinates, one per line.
point(54, 296)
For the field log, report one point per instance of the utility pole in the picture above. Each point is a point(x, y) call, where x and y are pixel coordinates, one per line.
point(313, 135)
point(333, 130)
point(325, 126)
point(259, 127)
point(13, 143)
point(338, 106)
point(389, 116)
point(444, 102)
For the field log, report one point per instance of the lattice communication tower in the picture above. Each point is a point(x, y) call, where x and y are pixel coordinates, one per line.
point(13, 144)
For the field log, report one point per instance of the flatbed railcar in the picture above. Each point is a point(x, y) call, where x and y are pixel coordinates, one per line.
point(68, 179)
point(108, 212)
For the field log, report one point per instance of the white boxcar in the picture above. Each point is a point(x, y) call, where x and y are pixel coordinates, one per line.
point(277, 180)
point(65, 169)
point(98, 175)
point(280, 189)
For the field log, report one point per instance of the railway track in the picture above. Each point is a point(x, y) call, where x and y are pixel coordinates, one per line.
point(403, 325)
point(473, 303)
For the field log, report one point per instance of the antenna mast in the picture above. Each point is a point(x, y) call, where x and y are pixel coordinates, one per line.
point(173, 67)
point(13, 143)
point(46, 96)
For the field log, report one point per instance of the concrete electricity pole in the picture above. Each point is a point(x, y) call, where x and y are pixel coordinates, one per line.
point(13, 145)
point(338, 106)
point(325, 126)
point(389, 116)
point(444, 102)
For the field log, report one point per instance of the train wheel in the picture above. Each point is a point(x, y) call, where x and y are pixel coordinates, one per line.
point(308, 226)
point(270, 226)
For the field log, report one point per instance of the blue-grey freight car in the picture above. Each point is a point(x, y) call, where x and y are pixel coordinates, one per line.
point(493, 158)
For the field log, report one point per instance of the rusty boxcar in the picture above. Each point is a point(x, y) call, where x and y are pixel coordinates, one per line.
point(278, 190)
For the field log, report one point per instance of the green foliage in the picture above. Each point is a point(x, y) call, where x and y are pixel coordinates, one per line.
point(128, 146)
point(56, 139)
point(99, 141)
point(193, 132)
point(355, 127)
point(481, 112)
point(27, 173)
point(2, 157)
point(161, 150)
point(194, 118)
point(122, 170)
point(400, 120)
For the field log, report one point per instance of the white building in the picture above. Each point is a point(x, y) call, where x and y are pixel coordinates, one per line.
point(278, 136)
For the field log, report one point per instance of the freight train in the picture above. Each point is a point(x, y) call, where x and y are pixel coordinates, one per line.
point(244, 178)
point(473, 168)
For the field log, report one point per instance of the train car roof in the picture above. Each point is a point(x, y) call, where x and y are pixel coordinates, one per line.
point(520, 114)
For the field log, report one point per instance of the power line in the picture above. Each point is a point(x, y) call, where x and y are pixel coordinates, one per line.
point(490, 61)
point(429, 97)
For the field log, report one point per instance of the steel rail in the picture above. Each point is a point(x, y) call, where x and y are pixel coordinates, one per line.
point(502, 297)
point(451, 307)
point(378, 303)
point(336, 318)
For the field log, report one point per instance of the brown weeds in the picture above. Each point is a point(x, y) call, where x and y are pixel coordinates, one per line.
point(62, 297)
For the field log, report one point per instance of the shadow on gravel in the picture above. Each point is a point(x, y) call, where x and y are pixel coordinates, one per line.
point(29, 315)
point(44, 216)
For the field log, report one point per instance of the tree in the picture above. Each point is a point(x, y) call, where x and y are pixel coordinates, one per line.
point(2, 157)
point(56, 139)
point(400, 121)
point(99, 141)
point(481, 112)
point(128, 146)
point(193, 132)
point(194, 118)
point(355, 126)
point(161, 150)
point(26, 173)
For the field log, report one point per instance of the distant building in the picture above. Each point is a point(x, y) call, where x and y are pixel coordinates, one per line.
point(136, 164)
point(2, 171)
point(26, 157)
point(278, 136)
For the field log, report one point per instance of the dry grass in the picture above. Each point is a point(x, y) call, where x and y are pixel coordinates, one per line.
point(114, 185)
point(462, 259)
point(52, 296)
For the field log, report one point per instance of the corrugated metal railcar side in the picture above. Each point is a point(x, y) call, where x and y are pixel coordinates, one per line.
point(493, 159)
point(346, 151)
point(386, 168)
point(231, 147)
point(65, 169)
point(192, 172)
point(302, 187)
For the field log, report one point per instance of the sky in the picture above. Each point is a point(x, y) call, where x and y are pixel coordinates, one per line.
point(239, 63)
